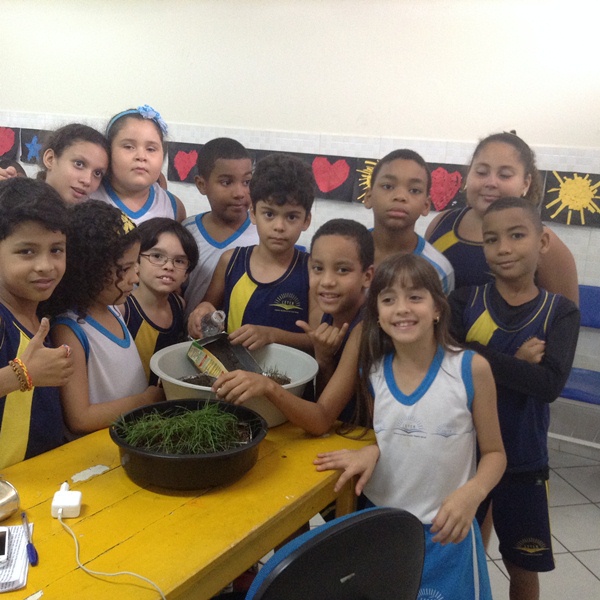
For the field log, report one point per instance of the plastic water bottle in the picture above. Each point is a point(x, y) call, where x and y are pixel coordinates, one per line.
point(212, 323)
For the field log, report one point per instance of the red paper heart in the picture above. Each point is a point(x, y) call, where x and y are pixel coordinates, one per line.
point(7, 139)
point(329, 176)
point(184, 162)
point(444, 187)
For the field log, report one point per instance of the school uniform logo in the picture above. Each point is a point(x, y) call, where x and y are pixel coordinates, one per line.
point(287, 302)
point(412, 427)
point(531, 546)
point(429, 594)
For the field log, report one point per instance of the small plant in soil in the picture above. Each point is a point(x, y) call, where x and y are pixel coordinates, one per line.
point(277, 376)
point(203, 431)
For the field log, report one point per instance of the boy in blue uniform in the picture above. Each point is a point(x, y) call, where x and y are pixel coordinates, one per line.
point(153, 312)
point(398, 196)
point(529, 336)
point(33, 222)
point(224, 173)
point(264, 288)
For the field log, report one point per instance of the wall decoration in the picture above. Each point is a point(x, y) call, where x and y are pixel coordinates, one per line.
point(182, 161)
point(32, 141)
point(362, 181)
point(446, 183)
point(9, 145)
point(573, 200)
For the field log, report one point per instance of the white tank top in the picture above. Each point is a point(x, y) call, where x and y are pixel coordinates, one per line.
point(114, 366)
point(426, 440)
point(160, 203)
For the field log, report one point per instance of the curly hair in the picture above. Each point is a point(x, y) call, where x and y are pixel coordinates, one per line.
point(407, 270)
point(98, 237)
point(24, 200)
point(526, 158)
point(281, 179)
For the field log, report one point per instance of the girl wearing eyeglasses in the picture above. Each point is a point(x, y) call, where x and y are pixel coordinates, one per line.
point(153, 312)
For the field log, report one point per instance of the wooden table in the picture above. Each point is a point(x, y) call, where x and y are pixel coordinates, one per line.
point(191, 544)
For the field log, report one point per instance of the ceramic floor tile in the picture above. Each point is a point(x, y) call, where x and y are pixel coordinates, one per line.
point(562, 493)
point(557, 547)
point(584, 479)
point(492, 547)
point(563, 459)
point(569, 581)
point(498, 581)
point(576, 527)
point(591, 559)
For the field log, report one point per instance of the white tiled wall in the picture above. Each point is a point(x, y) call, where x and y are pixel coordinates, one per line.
point(583, 242)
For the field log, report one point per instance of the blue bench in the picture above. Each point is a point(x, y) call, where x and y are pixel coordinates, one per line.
point(584, 384)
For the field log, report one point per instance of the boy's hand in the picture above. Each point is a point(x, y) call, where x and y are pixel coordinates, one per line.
point(8, 173)
point(252, 337)
point(239, 386)
point(50, 367)
point(532, 351)
point(195, 319)
point(455, 517)
point(351, 462)
point(326, 339)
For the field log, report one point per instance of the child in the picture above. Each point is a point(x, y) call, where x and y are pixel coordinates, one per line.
point(153, 312)
point(224, 173)
point(101, 271)
point(340, 272)
point(502, 165)
point(529, 337)
point(431, 404)
point(264, 288)
point(33, 225)
point(11, 168)
point(136, 138)
point(74, 159)
point(399, 195)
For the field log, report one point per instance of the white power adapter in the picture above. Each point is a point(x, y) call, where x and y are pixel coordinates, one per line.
point(68, 500)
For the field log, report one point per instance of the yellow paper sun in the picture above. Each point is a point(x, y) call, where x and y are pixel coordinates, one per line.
point(364, 180)
point(576, 194)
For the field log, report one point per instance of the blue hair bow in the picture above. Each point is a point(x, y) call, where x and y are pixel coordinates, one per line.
point(147, 112)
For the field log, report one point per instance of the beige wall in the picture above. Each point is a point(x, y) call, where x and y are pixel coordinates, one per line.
point(452, 70)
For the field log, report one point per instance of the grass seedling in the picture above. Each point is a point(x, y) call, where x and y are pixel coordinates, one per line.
point(201, 431)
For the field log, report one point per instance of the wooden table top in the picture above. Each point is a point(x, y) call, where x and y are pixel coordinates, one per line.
point(190, 543)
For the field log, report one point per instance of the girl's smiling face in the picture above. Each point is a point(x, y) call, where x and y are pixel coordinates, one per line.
point(407, 314)
point(497, 171)
point(136, 156)
point(77, 172)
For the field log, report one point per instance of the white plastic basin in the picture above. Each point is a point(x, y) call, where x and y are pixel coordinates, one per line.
point(170, 364)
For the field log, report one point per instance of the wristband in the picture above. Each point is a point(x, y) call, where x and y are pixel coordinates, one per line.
point(18, 366)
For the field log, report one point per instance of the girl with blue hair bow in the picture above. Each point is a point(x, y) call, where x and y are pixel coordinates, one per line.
point(136, 138)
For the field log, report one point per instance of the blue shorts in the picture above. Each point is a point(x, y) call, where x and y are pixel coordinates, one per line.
point(521, 519)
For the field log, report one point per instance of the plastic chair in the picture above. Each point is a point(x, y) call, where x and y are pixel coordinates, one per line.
point(372, 554)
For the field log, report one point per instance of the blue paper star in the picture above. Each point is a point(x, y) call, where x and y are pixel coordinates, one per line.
point(33, 148)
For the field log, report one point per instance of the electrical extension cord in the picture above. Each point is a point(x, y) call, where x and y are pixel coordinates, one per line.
point(67, 501)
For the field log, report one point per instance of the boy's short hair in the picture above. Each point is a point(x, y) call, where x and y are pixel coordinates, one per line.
point(283, 179)
point(515, 202)
point(24, 200)
point(354, 230)
point(152, 229)
point(402, 154)
point(211, 152)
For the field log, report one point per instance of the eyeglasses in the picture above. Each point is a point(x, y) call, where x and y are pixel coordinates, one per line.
point(160, 260)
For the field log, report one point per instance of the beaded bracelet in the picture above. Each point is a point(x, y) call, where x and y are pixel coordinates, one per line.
point(20, 370)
